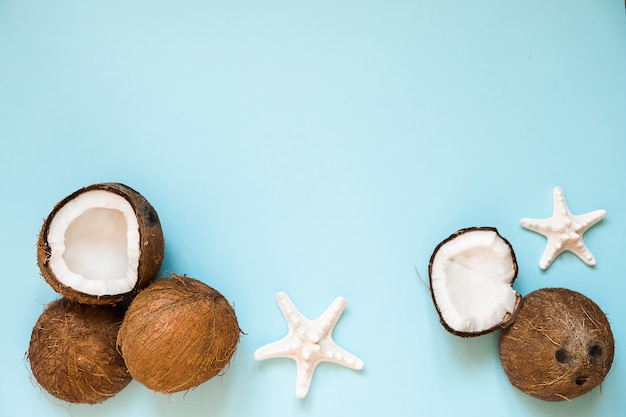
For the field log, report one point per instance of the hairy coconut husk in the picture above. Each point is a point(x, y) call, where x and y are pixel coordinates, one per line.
point(72, 352)
point(559, 347)
point(177, 334)
point(151, 246)
point(486, 264)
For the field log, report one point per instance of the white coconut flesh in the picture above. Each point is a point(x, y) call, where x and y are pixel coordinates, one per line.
point(94, 244)
point(471, 277)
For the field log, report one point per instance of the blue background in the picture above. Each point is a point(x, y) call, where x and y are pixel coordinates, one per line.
point(321, 148)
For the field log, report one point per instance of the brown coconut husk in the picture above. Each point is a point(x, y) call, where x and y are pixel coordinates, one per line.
point(178, 333)
point(509, 317)
point(152, 245)
point(72, 352)
point(560, 346)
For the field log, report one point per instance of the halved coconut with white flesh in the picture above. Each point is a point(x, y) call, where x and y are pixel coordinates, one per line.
point(471, 277)
point(101, 244)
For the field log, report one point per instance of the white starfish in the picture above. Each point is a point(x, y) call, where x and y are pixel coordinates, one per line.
point(308, 342)
point(564, 231)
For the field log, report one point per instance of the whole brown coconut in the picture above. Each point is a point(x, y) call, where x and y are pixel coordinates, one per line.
point(177, 334)
point(101, 244)
point(559, 347)
point(72, 352)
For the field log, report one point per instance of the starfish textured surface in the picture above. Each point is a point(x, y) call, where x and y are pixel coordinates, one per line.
point(308, 342)
point(564, 231)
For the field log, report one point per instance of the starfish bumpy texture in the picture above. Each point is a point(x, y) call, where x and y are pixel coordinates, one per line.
point(564, 231)
point(308, 342)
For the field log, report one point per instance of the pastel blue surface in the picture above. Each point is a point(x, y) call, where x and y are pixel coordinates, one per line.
point(321, 148)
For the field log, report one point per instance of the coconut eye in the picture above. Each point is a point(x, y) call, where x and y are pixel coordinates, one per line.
point(561, 356)
point(580, 380)
point(149, 213)
point(595, 351)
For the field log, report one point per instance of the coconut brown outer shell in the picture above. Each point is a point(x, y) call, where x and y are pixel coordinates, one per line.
point(152, 245)
point(559, 347)
point(177, 334)
point(72, 352)
point(508, 318)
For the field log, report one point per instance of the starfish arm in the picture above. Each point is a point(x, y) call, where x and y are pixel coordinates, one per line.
point(329, 318)
point(588, 219)
point(292, 315)
point(279, 349)
point(583, 253)
point(558, 203)
point(340, 356)
point(550, 253)
point(537, 225)
point(304, 376)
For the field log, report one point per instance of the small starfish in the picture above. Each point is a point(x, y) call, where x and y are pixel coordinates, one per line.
point(564, 231)
point(308, 342)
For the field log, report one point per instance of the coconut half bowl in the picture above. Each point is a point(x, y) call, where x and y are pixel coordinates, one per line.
point(101, 244)
point(471, 279)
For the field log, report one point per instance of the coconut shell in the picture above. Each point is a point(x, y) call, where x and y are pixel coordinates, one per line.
point(508, 318)
point(72, 352)
point(152, 245)
point(559, 347)
point(178, 333)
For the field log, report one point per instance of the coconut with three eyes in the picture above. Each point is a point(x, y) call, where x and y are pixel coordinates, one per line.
point(559, 347)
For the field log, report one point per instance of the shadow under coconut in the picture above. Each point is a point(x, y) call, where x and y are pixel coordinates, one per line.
point(116, 405)
point(209, 398)
point(475, 352)
point(582, 406)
